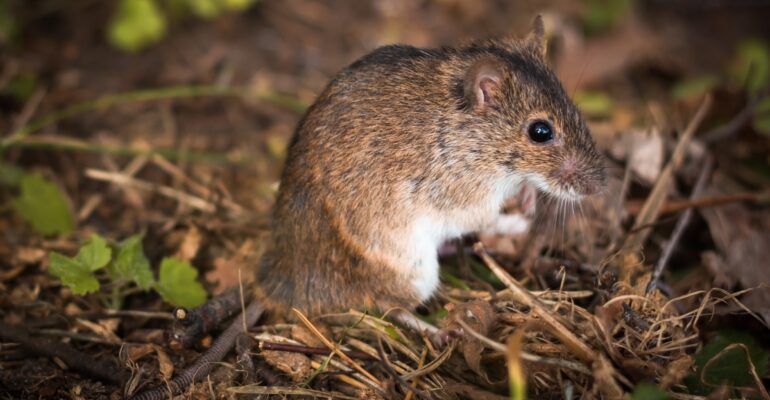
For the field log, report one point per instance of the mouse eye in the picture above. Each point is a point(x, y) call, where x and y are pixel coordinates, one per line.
point(540, 132)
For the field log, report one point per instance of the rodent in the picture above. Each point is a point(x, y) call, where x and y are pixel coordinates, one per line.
point(406, 148)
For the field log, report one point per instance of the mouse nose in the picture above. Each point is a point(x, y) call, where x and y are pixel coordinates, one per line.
point(586, 177)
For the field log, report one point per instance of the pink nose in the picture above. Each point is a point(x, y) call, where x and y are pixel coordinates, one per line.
point(585, 179)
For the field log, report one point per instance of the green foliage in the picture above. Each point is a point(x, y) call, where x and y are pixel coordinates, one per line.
point(696, 87)
point(751, 66)
point(647, 391)
point(731, 367)
point(131, 264)
point(595, 104)
point(177, 283)
point(44, 206)
point(77, 272)
point(137, 24)
point(601, 15)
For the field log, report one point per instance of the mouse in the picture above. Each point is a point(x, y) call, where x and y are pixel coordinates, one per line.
point(407, 148)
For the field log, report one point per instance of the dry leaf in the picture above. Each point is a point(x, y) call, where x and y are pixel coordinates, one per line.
point(104, 328)
point(165, 365)
point(190, 245)
point(643, 151)
point(741, 235)
point(296, 365)
point(479, 316)
point(136, 352)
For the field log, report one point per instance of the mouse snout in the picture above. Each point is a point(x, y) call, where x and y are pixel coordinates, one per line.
point(583, 177)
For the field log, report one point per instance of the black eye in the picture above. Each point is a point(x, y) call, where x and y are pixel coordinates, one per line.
point(540, 132)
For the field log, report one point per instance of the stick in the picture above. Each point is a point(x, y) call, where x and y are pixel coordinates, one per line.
point(81, 362)
point(651, 209)
point(206, 362)
point(681, 225)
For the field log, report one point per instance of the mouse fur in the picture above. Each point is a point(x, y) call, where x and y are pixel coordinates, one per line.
point(404, 149)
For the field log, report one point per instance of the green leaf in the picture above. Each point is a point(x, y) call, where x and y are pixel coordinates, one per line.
point(595, 104)
point(94, 254)
point(761, 120)
point(44, 206)
point(751, 66)
point(131, 263)
point(695, 87)
point(136, 25)
point(648, 391)
point(731, 368)
point(177, 283)
point(73, 274)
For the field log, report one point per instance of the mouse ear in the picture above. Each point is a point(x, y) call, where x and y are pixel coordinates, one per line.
point(535, 40)
point(483, 84)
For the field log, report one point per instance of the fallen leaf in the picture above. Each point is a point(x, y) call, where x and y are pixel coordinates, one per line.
point(296, 365)
point(479, 316)
point(741, 235)
point(643, 151)
point(190, 245)
point(165, 365)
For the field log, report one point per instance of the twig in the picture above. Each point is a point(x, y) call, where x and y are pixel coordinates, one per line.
point(651, 209)
point(177, 173)
point(562, 329)
point(205, 362)
point(287, 391)
point(59, 142)
point(525, 355)
point(681, 225)
point(389, 369)
point(178, 195)
point(322, 351)
point(674, 206)
point(190, 326)
point(99, 369)
point(172, 92)
point(333, 347)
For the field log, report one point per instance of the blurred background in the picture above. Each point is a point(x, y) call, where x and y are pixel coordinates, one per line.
point(628, 63)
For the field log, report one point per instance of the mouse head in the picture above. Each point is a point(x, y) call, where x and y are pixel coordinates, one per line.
point(534, 129)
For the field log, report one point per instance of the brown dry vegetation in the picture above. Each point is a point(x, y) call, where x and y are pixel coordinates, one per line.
point(192, 163)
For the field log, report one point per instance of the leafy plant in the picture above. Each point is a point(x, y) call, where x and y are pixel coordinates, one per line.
point(43, 206)
point(126, 268)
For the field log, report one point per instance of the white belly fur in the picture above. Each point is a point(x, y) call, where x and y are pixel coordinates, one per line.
point(432, 228)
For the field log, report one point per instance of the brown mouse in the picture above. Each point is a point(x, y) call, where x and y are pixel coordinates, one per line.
point(409, 147)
